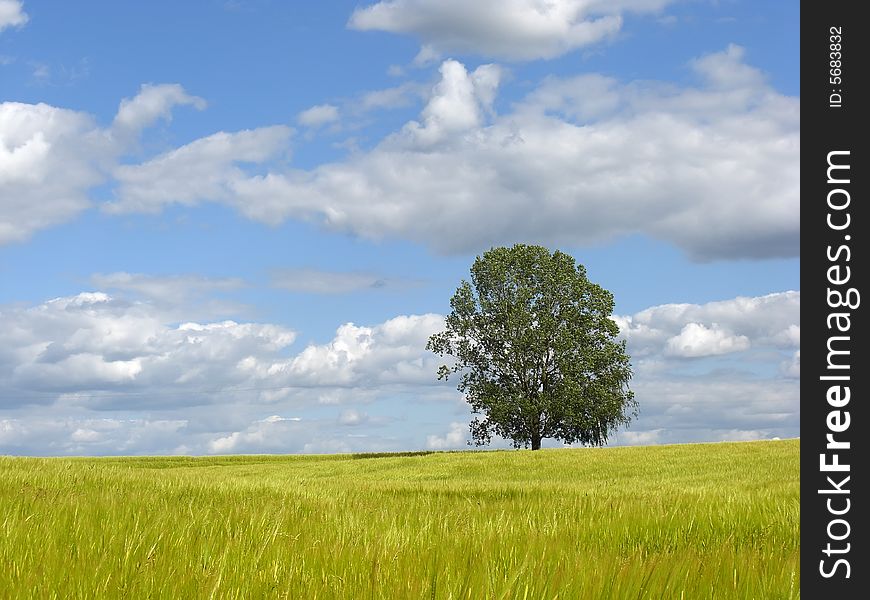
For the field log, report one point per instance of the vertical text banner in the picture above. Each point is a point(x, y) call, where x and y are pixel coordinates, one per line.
point(834, 223)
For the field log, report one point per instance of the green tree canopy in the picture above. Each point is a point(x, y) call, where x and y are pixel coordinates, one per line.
point(536, 350)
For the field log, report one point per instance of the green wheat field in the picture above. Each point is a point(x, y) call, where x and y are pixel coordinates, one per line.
point(685, 521)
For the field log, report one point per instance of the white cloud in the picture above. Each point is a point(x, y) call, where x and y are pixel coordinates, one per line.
point(100, 345)
point(262, 436)
point(426, 56)
point(12, 14)
point(291, 435)
point(512, 29)
point(640, 438)
point(278, 418)
point(229, 387)
point(713, 407)
point(99, 351)
point(85, 435)
point(51, 157)
point(790, 336)
point(756, 397)
point(205, 169)
point(726, 70)
point(298, 436)
point(693, 330)
point(696, 339)
point(43, 432)
point(792, 368)
point(457, 103)
point(318, 115)
point(52, 436)
point(392, 352)
point(578, 161)
point(701, 435)
point(151, 103)
point(454, 438)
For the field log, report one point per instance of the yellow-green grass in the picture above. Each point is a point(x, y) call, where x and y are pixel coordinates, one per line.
point(687, 521)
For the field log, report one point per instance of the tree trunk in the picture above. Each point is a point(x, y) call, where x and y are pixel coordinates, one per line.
point(536, 441)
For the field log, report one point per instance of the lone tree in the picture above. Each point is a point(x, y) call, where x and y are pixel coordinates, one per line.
point(534, 343)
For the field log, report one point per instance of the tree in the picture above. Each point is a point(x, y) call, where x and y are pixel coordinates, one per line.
point(535, 346)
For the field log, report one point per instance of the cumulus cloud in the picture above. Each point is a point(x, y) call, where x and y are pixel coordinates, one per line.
point(713, 407)
point(269, 434)
point(727, 71)
point(514, 30)
point(457, 103)
point(67, 363)
point(757, 397)
point(99, 351)
point(206, 169)
point(95, 345)
point(318, 115)
point(697, 330)
point(578, 161)
point(696, 339)
point(792, 368)
point(454, 438)
point(12, 14)
point(151, 103)
point(360, 356)
point(51, 157)
point(640, 438)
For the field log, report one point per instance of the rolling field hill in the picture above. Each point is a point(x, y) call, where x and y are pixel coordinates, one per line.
point(688, 521)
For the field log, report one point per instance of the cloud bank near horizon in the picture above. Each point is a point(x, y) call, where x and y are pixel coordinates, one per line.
point(125, 378)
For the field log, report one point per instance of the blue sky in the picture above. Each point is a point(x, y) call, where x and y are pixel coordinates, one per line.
point(230, 226)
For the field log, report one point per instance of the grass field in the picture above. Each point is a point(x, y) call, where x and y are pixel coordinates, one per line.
point(688, 521)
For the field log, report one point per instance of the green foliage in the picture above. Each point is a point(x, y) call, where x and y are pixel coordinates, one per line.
point(691, 521)
point(535, 345)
